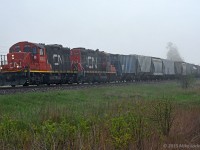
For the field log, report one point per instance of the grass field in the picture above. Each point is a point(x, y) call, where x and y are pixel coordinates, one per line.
point(136, 116)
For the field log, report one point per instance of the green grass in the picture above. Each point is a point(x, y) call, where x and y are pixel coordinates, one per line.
point(93, 98)
point(101, 116)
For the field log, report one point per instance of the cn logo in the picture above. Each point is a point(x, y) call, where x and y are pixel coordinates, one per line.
point(92, 62)
point(57, 59)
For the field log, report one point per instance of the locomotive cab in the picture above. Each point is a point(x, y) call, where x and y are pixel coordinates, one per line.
point(23, 61)
point(26, 55)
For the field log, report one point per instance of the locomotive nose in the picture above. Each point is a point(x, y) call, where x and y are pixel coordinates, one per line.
point(16, 60)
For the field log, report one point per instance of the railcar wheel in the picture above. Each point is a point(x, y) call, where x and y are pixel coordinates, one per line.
point(80, 81)
point(25, 84)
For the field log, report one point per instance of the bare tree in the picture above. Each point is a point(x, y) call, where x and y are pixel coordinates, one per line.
point(173, 53)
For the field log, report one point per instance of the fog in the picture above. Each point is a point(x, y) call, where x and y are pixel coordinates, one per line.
point(173, 53)
point(141, 27)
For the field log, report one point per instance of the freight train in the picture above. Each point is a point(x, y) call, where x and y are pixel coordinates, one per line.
point(35, 64)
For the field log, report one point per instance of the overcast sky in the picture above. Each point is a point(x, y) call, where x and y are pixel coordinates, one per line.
point(141, 27)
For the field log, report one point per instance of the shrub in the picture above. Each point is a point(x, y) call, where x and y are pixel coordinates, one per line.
point(186, 81)
point(120, 132)
point(163, 116)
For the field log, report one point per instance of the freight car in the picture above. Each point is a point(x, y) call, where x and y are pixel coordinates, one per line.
point(128, 67)
point(34, 64)
point(137, 67)
point(183, 68)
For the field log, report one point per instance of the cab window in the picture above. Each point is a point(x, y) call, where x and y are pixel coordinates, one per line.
point(27, 48)
point(12, 50)
point(41, 52)
point(34, 50)
point(17, 49)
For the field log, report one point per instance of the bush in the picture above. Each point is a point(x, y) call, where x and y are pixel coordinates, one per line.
point(163, 116)
point(186, 81)
point(120, 132)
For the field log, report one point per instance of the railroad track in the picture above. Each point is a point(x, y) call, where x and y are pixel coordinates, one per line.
point(44, 88)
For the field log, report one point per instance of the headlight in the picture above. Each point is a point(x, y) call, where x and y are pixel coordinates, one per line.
point(1, 68)
point(13, 57)
point(17, 66)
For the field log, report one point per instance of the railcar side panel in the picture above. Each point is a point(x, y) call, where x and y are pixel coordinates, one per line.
point(191, 69)
point(144, 65)
point(128, 66)
point(157, 66)
point(180, 68)
point(168, 67)
point(128, 63)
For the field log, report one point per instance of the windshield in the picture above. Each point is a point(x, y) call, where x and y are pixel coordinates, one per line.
point(34, 50)
point(27, 48)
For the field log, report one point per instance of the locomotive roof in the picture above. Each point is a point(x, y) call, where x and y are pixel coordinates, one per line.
point(36, 44)
point(88, 50)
